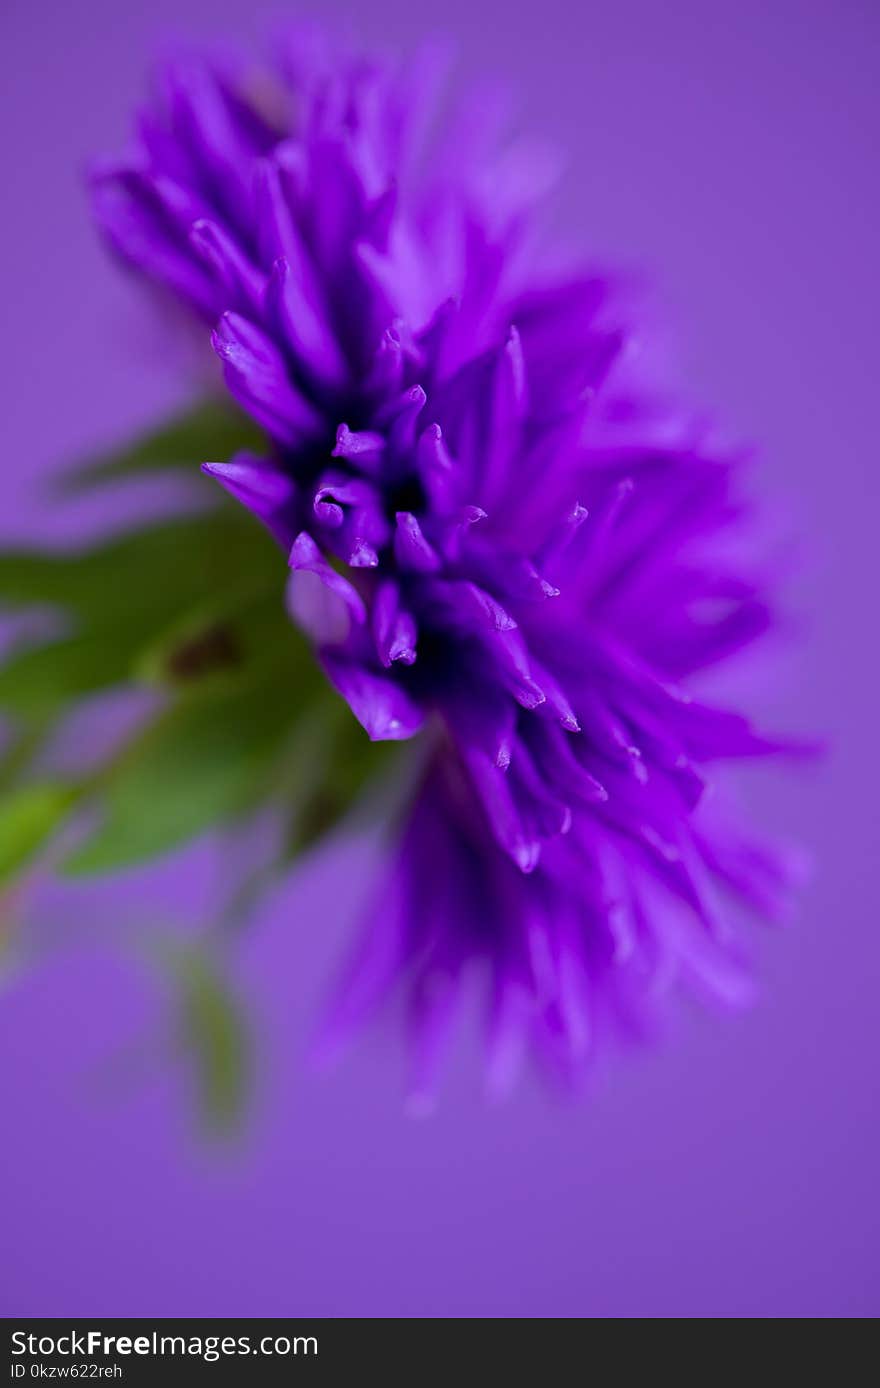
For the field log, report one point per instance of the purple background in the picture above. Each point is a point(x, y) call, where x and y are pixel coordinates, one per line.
point(731, 148)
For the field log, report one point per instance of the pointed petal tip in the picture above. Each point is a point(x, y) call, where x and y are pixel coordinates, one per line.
point(530, 695)
point(390, 730)
point(356, 445)
point(302, 551)
point(526, 855)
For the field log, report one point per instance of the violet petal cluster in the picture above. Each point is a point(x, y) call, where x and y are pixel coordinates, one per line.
point(490, 535)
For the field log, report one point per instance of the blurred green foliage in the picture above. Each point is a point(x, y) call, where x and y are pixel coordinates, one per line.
point(192, 609)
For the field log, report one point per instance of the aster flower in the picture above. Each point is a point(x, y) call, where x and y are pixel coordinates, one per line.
point(493, 541)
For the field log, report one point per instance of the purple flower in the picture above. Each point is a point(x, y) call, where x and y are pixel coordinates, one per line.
point(493, 534)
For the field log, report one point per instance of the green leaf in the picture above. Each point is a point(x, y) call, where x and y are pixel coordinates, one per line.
point(203, 762)
point(29, 816)
point(202, 648)
point(38, 681)
point(220, 748)
point(210, 431)
point(24, 740)
point(229, 643)
point(149, 575)
point(193, 606)
point(134, 601)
